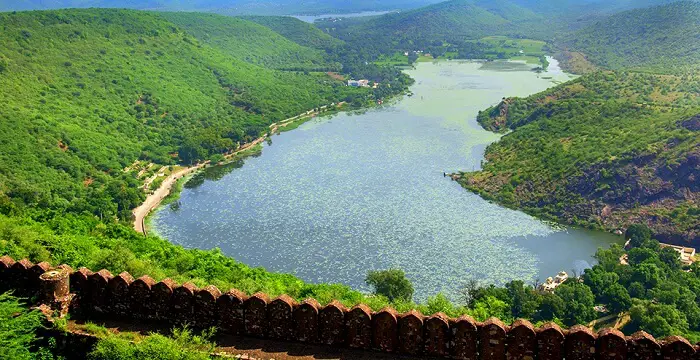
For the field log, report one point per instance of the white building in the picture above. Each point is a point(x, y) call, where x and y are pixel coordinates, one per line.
point(358, 83)
point(552, 283)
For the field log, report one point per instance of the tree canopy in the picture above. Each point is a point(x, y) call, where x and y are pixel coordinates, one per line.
point(391, 283)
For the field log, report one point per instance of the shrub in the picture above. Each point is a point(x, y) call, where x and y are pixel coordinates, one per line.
point(17, 328)
point(183, 345)
point(391, 283)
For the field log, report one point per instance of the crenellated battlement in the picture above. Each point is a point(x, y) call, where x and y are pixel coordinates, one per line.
point(96, 295)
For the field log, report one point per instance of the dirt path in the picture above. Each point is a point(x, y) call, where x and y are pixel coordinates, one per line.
point(154, 199)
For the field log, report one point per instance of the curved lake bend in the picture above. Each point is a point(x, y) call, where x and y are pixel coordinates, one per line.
point(340, 196)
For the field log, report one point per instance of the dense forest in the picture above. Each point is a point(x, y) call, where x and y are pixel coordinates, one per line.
point(302, 33)
point(257, 44)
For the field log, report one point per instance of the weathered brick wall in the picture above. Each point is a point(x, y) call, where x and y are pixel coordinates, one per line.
point(103, 295)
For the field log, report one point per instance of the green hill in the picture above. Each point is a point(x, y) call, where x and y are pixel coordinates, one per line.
point(606, 150)
point(251, 42)
point(85, 93)
point(450, 20)
point(656, 37)
point(298, 31)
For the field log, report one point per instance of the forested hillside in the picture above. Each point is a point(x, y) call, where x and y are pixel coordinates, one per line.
point(663, 38)
point(302, 33)
point(253, 43)
point(85, 93)
point(607, 150)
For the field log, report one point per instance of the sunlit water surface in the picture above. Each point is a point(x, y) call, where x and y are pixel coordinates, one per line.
point(313, 18)
point(340, 196)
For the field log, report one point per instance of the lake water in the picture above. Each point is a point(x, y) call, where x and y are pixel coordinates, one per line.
point(313, 18)
point(343, 195)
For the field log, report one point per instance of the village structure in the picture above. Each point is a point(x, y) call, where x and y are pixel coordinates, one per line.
point(686, 254)
point(552, 283)
point(358, 83)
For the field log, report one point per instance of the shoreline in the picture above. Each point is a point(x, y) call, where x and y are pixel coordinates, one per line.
point(155, 199)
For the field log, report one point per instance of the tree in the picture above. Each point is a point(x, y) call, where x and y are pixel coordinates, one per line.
point(639, 255)
point(609, 259)
point(552, 307)
point(658, 319)
point(671, 258)
point(637, 290)
point(391, 283)
point(616, 298)
point(637, 234)
point(667, 292)
point(524, 300)
point(647, 274)
point(439, 303)
point(599, 280)
point(490, 306)
point(579, 301)
point(468, 291)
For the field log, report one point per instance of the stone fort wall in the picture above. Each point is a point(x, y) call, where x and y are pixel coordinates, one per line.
point(96, 295)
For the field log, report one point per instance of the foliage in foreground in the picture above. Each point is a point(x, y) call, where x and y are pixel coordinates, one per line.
point(654, 283)
point(182, 345)
point(18, 328)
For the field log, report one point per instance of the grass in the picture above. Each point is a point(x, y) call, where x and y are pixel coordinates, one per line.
point(504, 43)
point(528, 59)
point(397, 59)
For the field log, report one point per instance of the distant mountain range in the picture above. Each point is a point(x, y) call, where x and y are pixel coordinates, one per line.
point(315, 7)
point(456, 20)
point(232, 7)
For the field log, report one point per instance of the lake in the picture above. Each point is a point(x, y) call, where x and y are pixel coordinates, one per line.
point(313, 18)
point(355, 192)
